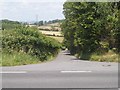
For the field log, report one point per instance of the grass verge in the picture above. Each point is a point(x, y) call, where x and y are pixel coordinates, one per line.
point(18, 58)
point(21, 58)
point(107, 57)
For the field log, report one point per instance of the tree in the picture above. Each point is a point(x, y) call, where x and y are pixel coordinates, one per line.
point(117, 27)
point(40, 23)
point(88, 26)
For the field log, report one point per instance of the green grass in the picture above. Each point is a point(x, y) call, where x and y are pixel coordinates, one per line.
point(14, 58)
point(107, 57)
point(18, 58)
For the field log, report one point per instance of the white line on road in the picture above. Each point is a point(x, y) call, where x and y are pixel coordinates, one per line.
point(13, 72)
point(75, 71)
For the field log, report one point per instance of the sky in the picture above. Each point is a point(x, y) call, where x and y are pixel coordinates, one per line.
point(31, 10)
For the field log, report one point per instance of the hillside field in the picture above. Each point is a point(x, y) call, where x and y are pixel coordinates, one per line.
point(52, 30)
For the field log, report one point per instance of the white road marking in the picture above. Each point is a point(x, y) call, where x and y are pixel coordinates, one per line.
point(13, 72)
point(75, 71)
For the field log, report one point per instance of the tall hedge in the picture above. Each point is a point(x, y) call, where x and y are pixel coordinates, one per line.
point(31, 41)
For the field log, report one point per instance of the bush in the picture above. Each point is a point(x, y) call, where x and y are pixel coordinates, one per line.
point(30, 41)
point(103, 48)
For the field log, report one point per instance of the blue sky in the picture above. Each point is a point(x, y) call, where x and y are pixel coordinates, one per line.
point(29, 10)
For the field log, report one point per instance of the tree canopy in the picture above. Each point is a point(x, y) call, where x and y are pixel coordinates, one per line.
point(91, 26)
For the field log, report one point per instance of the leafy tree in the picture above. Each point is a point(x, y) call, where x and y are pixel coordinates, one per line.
point(117, 26)
point(40, 23)
point(89, 26)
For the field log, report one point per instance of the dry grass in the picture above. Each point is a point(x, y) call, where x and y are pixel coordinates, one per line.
point(50, 33)
point(51, 29)
point(60, 39)
point(55, 26)
point(108, 57)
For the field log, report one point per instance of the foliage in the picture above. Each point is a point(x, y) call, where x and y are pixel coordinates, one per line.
point(90, 27)
point(7, 24)
point(117, 28)
point(40, 23)
point(30, 41)
point(54, 21)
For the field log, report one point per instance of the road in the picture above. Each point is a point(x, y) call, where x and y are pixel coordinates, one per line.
point(64, 72)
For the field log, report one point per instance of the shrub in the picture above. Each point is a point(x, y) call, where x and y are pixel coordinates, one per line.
point(30, 41)
point(103, 48)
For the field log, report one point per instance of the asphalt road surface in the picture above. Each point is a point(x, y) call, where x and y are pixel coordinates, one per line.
point(64, 72)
